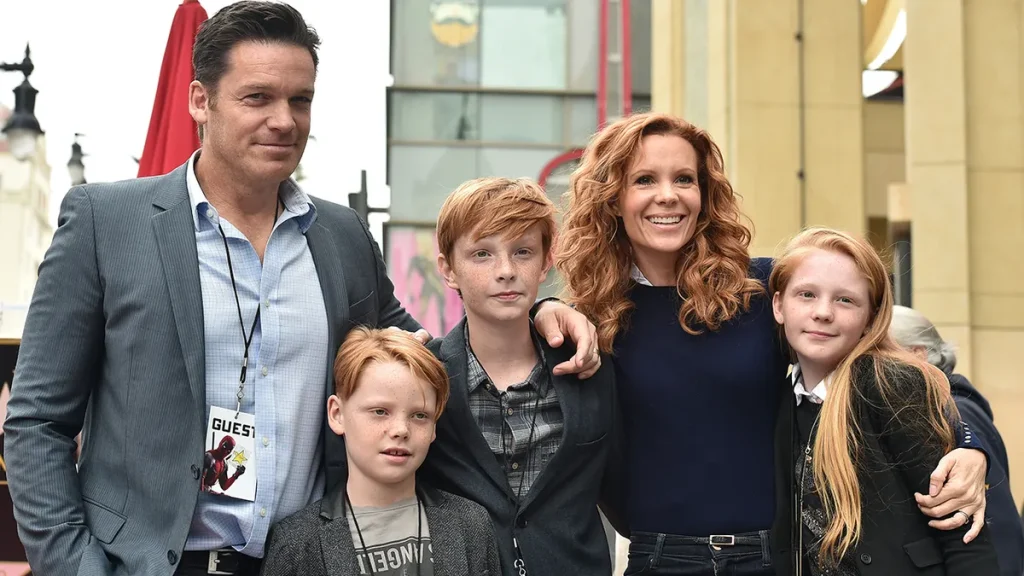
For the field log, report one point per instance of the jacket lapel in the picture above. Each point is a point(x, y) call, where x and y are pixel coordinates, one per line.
point(338, 549)
point(176, 243)
point(327, 260)
point(453, 354)
point(446, 543)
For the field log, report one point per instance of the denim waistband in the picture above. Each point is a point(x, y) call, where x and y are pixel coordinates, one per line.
point(657, 545)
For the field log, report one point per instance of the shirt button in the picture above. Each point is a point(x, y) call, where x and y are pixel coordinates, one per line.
point(865, 558)
point(172, 557)
point(210, 213)
point(266, 303)
point(266, 441)
point(509, 412)
point(515, 465)
point(264, 371)
point(263, 512)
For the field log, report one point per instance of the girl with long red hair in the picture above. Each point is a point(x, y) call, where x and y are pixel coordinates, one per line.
point(871, 420)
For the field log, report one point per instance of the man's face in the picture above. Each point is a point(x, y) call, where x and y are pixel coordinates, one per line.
point(256, 120)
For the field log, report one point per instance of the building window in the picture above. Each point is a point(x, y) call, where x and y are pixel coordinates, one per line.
point(490, 43)
point(566, 120)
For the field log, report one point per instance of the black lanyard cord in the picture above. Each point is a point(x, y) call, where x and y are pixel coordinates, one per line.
point(519, 563)
point(247, 340)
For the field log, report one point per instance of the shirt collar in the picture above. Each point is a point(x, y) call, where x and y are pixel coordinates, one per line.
point(296, 203)
point(816, 395)
point(543, 384)
point(638, 276)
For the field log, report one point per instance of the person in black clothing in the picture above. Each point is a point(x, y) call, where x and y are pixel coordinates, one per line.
point(914, 332)
point(532, 447)
point(872, 421)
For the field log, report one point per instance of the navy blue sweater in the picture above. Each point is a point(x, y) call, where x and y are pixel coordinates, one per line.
point(699, 415)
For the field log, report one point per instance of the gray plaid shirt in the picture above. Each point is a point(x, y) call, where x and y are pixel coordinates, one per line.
point(505, 419)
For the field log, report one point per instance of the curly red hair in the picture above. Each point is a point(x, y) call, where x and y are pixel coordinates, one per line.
point(594, 255)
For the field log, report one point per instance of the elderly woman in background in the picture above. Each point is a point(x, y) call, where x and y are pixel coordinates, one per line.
point(915, 333)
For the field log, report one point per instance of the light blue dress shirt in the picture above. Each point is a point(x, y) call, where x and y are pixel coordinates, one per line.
point(286, 384)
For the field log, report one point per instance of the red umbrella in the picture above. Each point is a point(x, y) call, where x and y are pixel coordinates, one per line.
point(172, 136)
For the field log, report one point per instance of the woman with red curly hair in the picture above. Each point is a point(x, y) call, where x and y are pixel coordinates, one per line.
point(653, 251)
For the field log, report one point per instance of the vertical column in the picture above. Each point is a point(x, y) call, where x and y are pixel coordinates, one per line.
point(778, 86)
point(833, 113)
point(965, 150)
point(668, 56)
point(935, 109)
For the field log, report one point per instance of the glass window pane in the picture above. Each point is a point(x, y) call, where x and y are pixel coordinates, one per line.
point(421, 177)
point(523, 44)
point(435, 43)
point(584, 17)
point(434, 116)
point(521, 118)
point(448, 116)
point(641, 103)
point(640, 36)
point(582, 119)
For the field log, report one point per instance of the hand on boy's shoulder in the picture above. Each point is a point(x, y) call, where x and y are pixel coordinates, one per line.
point(422, 335)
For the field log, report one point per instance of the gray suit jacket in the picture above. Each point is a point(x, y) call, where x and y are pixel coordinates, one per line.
point(316, 541)
point(113, 346)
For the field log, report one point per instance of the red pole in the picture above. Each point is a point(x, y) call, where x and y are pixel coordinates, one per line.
point(602, 67)
point(627, 61)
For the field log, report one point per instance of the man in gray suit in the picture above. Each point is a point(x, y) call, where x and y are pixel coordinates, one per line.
point(187, 325)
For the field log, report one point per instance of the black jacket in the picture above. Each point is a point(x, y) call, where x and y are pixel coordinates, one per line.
point(559, 529)
point(1001, 517)
point(316, 541)
point(895, 462)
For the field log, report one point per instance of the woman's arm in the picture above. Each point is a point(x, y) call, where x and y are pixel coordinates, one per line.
point(903, 430)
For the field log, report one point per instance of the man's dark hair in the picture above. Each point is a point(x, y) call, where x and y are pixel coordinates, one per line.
point(247, 21)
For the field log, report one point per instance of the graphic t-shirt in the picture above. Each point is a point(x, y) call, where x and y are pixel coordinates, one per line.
point(390, 536)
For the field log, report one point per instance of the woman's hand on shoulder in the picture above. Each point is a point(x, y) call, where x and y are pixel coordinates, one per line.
point(956, 492)
point(554, 321)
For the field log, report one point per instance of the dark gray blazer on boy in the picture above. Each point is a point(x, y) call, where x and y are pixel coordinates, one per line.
point(316, 541)
point(559, 529)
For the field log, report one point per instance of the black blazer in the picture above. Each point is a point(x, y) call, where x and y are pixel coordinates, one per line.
point(316, 541)
point(559, 529)
point(895, 462)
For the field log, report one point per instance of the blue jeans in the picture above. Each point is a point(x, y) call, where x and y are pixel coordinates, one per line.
point(670, 555)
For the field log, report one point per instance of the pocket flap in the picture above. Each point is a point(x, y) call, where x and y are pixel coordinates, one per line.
point(924, 552)
point(103, 523)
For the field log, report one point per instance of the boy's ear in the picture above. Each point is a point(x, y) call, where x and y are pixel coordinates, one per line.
point(549, 262)
point(777, 308)
point(335, 418)
point(444, 267)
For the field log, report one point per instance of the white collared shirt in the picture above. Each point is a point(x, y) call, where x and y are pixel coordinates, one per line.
point(816, 395)
point(638, 276)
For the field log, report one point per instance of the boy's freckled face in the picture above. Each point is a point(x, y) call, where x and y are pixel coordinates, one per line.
point(498, 276)
point(388, 423)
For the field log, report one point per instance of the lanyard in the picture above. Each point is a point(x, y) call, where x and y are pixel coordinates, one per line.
point(247, 340)
point(519, 563)
point(419, 534)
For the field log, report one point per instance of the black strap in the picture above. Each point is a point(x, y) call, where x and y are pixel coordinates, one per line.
point(519, 563)
point(247, 340)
